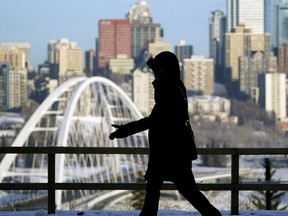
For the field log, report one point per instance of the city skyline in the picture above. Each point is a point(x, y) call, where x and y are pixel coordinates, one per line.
point(30, 22)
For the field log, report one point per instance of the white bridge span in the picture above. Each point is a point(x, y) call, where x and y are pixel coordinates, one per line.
point(78, 113)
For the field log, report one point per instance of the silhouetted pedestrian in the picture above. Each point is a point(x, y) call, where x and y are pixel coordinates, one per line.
point(172, 148)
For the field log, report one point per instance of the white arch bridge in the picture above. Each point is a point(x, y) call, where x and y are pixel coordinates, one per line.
point(78, 113)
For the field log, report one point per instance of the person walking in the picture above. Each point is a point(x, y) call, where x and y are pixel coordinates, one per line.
point(171, 139)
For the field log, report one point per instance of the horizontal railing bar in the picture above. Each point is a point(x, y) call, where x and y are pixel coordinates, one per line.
point(137, 186)
point(73, 150)
point(130, 150)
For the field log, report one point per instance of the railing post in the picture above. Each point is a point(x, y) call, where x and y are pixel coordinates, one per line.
point(268, 195)
point(235, 182)
point(51, 181)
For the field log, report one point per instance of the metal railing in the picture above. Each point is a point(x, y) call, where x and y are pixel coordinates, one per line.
point(51, 186)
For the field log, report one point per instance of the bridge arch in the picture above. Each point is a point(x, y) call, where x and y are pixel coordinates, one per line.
point(35, 118)
point(88, 107)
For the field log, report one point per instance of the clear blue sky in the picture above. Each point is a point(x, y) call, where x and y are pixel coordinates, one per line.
point(39, 21)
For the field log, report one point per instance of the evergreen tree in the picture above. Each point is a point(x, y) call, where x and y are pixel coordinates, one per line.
point(270, 199)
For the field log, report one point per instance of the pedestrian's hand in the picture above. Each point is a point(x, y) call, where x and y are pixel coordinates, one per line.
point(121, 132)
point(116, 126)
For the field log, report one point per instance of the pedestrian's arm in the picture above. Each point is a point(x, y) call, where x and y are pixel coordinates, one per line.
point(130, 128)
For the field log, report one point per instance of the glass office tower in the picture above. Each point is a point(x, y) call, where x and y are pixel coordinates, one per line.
point(276, 21)
point(247, 12)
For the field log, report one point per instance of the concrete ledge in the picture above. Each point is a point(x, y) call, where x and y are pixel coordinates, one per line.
point(135, 213)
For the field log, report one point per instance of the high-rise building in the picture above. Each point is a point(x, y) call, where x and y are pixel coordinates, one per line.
point(143, 30)
point(273, 93)
point(18, 46)
point(65, 59)
point(143, 92)
point(217, 29)
point(183, 51)
point(142, 35)
point(199, 75)
point(282, 33)
point(247, 12)
point(282, 58)
point(13, 87)
point(250, 67)
point(121, 65)
point(4, 80)
point(159, 45)
point(90, 62)
point(241, 42)
point(16, 58)
point(140, 11)
point(276, 22)
point(114, 39)
point(13, 78)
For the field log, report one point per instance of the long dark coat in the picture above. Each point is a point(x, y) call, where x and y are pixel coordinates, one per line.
point(170, 151)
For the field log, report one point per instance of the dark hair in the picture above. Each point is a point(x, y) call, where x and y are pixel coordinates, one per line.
point(168, 62)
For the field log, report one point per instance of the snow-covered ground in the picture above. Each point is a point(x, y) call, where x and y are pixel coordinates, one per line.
point(136, 213)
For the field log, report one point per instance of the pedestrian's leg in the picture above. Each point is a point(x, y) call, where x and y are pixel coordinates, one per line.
point(187, 187)
point(150, 207)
